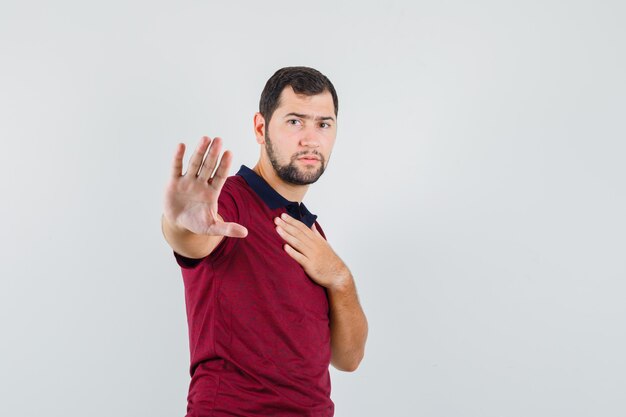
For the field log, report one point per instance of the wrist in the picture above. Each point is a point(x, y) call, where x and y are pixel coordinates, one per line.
point(174, 228)
point(342, 283)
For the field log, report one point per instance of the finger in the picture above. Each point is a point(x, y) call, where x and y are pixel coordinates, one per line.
point(317, 232)
point(177, 164)
point(208, 166)
point(297, 256)
point(294, 222)
point(222, 171)
point(294, 227)
point(198, 156)
point(235, 230)
point(293, 240)
point(229, 229)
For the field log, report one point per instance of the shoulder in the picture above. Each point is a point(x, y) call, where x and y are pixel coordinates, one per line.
point(233, 184)
point(232, 199)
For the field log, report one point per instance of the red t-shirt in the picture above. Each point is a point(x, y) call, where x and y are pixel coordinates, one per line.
point(259, 330)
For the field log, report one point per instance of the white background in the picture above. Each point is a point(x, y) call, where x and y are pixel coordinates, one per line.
point(476, 190)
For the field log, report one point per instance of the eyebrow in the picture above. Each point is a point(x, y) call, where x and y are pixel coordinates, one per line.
point(308, 117)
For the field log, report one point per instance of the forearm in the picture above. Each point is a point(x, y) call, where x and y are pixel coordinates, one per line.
point(187, 243)
point(348, 326)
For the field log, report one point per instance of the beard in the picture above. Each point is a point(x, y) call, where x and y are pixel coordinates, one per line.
point(290, 173)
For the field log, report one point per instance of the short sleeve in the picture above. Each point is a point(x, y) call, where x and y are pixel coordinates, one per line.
point(228, 209)
point(227, 206)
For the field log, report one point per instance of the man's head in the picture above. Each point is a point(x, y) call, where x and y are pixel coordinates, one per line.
point(297, 123)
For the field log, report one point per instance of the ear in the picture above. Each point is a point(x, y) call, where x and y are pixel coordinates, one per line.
point(259, 128)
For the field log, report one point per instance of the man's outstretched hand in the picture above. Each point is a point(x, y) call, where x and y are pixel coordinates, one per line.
point(191, 198)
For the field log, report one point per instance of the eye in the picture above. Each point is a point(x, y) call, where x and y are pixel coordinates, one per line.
point(324, 125)
point(293, 122)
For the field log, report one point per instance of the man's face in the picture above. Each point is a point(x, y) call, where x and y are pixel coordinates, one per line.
point(300, 136)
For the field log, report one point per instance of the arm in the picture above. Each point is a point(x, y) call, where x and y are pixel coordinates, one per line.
point(348, 325)
point(190, 222)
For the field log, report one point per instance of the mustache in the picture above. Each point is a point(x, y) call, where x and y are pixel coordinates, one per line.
point(309, 153)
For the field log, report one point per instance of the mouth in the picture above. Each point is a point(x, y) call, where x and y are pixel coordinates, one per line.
point(309, 158)
point(308, 161)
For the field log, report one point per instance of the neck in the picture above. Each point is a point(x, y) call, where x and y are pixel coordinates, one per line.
point(291, 192)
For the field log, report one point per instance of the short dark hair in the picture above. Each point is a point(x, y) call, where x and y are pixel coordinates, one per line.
point(303, 80)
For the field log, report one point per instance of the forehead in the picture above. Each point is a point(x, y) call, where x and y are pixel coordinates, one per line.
point(316, 105)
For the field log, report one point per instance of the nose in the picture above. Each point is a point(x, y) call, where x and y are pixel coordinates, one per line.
point(310, 138)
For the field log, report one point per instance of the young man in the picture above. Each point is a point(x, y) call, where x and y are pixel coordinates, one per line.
point(269, 303)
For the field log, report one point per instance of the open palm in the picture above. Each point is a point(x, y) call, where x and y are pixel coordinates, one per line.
point(191, 198)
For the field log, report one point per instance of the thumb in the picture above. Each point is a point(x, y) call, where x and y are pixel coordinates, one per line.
point(235, 230)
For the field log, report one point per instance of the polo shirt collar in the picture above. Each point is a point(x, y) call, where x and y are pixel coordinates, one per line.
point(275, 200)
